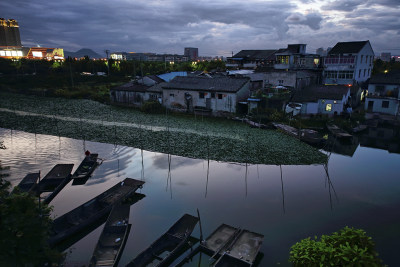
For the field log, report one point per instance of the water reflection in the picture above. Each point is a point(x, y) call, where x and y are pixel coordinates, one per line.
point(285, 203)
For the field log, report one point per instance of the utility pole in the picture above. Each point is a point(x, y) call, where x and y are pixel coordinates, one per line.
point(108, 62)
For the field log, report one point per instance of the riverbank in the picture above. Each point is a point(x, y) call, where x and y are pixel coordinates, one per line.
point(183, 135)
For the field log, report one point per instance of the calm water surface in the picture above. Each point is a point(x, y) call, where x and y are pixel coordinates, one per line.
point(285, 203)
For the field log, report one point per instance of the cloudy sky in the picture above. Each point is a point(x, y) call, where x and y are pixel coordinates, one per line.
point(216, 27)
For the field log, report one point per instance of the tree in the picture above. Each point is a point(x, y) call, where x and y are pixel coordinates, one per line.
point(24, 229)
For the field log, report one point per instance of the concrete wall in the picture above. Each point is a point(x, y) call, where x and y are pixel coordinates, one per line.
point(127, 97)
point(392, 109)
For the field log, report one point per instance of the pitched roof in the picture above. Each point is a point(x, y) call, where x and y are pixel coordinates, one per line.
point(314, 93)
point(155, 78)
point(157, 88)
point(347, 47)
point(132, 87)
point(216, 84)
point(254, 54)
point(386, 78)
point(170, 75)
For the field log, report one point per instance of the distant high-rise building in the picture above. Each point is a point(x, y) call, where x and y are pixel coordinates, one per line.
point(192, 53)
point(9, 33)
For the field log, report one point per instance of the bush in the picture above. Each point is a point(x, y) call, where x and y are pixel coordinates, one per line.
point(152, 107)
point(348, 247)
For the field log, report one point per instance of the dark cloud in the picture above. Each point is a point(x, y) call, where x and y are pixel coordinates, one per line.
point(344, 5)
point(215, 26)
point(312, 20)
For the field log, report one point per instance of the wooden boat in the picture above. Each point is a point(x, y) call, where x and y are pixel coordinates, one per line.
point(338, 133)
point(242, 251)
point(71, 240)
point(88, 213)
point(166, 247)
point(28, 183)
point(230, 246)
point(360, 128)
point(113, 237)
point(56, 176)
point(85, 169)
point(309, 136)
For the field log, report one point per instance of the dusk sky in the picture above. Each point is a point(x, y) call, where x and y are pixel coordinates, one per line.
point(216, 27)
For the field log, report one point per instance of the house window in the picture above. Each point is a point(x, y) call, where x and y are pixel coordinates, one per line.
point(369, 72)
point(365, 71)
point(201, 95)
point(379, 88)
point(385, 104)
point(328, 107)
point(359, 73)
point(361, 58)
point(280, 82)
point(219, 96)
point(212, 95)
point(171, 95)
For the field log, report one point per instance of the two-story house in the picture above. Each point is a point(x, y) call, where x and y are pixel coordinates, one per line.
point(384, 94)
point(349, 62)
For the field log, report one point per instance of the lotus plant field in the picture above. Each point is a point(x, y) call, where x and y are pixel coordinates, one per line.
point(183, 135)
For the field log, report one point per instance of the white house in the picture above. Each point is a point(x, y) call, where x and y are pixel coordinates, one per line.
point(347, 62)
point(322, 99)
point(384, 94)
point(213, 95)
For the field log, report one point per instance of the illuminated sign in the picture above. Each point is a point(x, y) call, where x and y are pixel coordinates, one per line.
point(37, 54)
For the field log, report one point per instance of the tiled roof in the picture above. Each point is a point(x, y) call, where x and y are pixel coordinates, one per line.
point(132, 87)
point(157, 88)
point(314, 93)
point(254, 54)
point(347, 47)
point(387, 78)
point(155, 78)
point(217, 84)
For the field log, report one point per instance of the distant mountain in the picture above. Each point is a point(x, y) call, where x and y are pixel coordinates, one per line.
point(82, 52)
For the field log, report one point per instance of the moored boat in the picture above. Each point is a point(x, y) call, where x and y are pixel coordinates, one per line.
point(338, 133)
point(56, 176)
point(113, 237)
point(88, 213)
point(28, 183)
point(85, 169)
point(229, 246)
point(165, 248)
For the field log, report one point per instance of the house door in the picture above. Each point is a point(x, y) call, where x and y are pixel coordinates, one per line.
point(208, 103)
point(370, 106)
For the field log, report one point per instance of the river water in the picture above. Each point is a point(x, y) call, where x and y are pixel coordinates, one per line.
point(284, 203)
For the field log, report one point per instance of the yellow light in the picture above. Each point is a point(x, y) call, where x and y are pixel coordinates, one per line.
point(386, 71)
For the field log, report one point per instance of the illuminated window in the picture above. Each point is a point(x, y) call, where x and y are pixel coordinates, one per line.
point(14, 53)
point(316, 61)
point(2, 53)
point(8, 53)
point(328, 107)
point(37, 54)
point(19, 53)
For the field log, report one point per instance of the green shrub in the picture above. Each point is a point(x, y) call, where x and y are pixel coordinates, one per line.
point(152, 107)
point(348, 247)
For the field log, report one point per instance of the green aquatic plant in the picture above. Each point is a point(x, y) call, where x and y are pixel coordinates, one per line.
point(347, 247)
point(184, 135)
